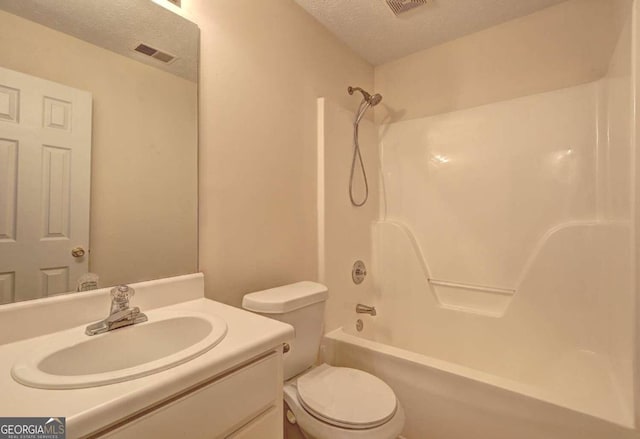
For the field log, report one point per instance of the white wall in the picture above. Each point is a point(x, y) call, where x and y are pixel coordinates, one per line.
point(481, 187)
point(616, 184)
point(564, 45)
point(263, 64)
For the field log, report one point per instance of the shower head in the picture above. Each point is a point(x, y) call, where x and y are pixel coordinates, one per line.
point(375, 99)
point(372, 100)
point(367, 101)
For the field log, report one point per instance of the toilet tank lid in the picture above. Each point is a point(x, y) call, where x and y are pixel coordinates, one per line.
point(286, 298)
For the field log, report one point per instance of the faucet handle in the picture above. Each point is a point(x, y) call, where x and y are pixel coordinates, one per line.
point(122, 293)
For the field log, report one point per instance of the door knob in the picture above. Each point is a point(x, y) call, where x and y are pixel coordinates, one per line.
point(78, 252)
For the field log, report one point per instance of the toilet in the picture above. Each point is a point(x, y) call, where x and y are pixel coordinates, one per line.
point(327, 402)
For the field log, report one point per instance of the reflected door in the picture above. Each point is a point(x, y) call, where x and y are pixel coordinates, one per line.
point(45, 174)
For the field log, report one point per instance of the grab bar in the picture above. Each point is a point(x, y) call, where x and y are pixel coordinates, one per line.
point(444, 283)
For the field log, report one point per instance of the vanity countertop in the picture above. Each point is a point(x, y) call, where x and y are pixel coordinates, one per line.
point(90, 409)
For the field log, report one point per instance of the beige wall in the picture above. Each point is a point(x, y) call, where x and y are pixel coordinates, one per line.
point(144, 172)
point(263, 64)
point(346, 229)
point(557, 47)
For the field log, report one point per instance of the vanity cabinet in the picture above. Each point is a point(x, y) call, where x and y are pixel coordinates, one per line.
point(245, 403)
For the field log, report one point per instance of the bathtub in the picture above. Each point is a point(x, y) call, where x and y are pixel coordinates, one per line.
point(444, 400)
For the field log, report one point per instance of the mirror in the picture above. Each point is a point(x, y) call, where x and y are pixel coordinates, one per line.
point(98, 145)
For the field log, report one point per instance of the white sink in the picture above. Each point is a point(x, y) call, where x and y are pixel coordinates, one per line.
point(71, 359)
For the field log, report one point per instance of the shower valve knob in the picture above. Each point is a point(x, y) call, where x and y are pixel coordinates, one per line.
point(359, 272)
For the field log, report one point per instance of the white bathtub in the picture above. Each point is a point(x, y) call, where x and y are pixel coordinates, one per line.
point(448, 401)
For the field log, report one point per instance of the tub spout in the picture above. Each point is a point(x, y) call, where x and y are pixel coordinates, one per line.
point(364, 309)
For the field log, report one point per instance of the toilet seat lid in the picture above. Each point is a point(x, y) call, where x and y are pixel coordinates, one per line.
point(346, 397)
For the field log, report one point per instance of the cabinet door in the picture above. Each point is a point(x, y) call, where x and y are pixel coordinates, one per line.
point(265, 426)
point(215, 410)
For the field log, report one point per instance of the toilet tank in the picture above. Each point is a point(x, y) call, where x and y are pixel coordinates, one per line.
point(302, 306)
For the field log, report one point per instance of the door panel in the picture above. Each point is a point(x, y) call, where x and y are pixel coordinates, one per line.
point(45, 174)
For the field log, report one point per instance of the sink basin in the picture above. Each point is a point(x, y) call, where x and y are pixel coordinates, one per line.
point(71, 359)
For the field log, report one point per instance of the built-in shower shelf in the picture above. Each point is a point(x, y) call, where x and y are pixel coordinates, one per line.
point(491, 301)
point(479, 299)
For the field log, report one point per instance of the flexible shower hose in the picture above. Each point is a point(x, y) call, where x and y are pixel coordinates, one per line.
point(358, 156)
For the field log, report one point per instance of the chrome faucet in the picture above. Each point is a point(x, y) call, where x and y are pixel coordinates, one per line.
point(120, 315)
point(364, 309)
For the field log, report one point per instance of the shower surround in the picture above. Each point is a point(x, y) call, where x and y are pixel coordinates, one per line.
point(501, 245)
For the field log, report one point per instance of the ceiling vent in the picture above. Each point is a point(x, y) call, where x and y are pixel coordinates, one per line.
point(164, 57)
point(401, 6)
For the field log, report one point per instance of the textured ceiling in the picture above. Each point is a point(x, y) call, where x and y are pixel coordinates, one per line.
point(119, 25)
point(371, 29)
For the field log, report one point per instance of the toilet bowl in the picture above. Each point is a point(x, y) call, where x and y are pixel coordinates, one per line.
point(342, 403)
point(327, 402)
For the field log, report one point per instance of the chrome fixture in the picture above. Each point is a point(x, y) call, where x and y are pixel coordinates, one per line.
point(364, 309)
point(359, 325)
point(368, 100)
point(372, 100)
point(120, 315)
point(358, 272)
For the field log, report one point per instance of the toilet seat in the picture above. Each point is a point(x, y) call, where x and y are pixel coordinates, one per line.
point(315, 428)
point(346, 398)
